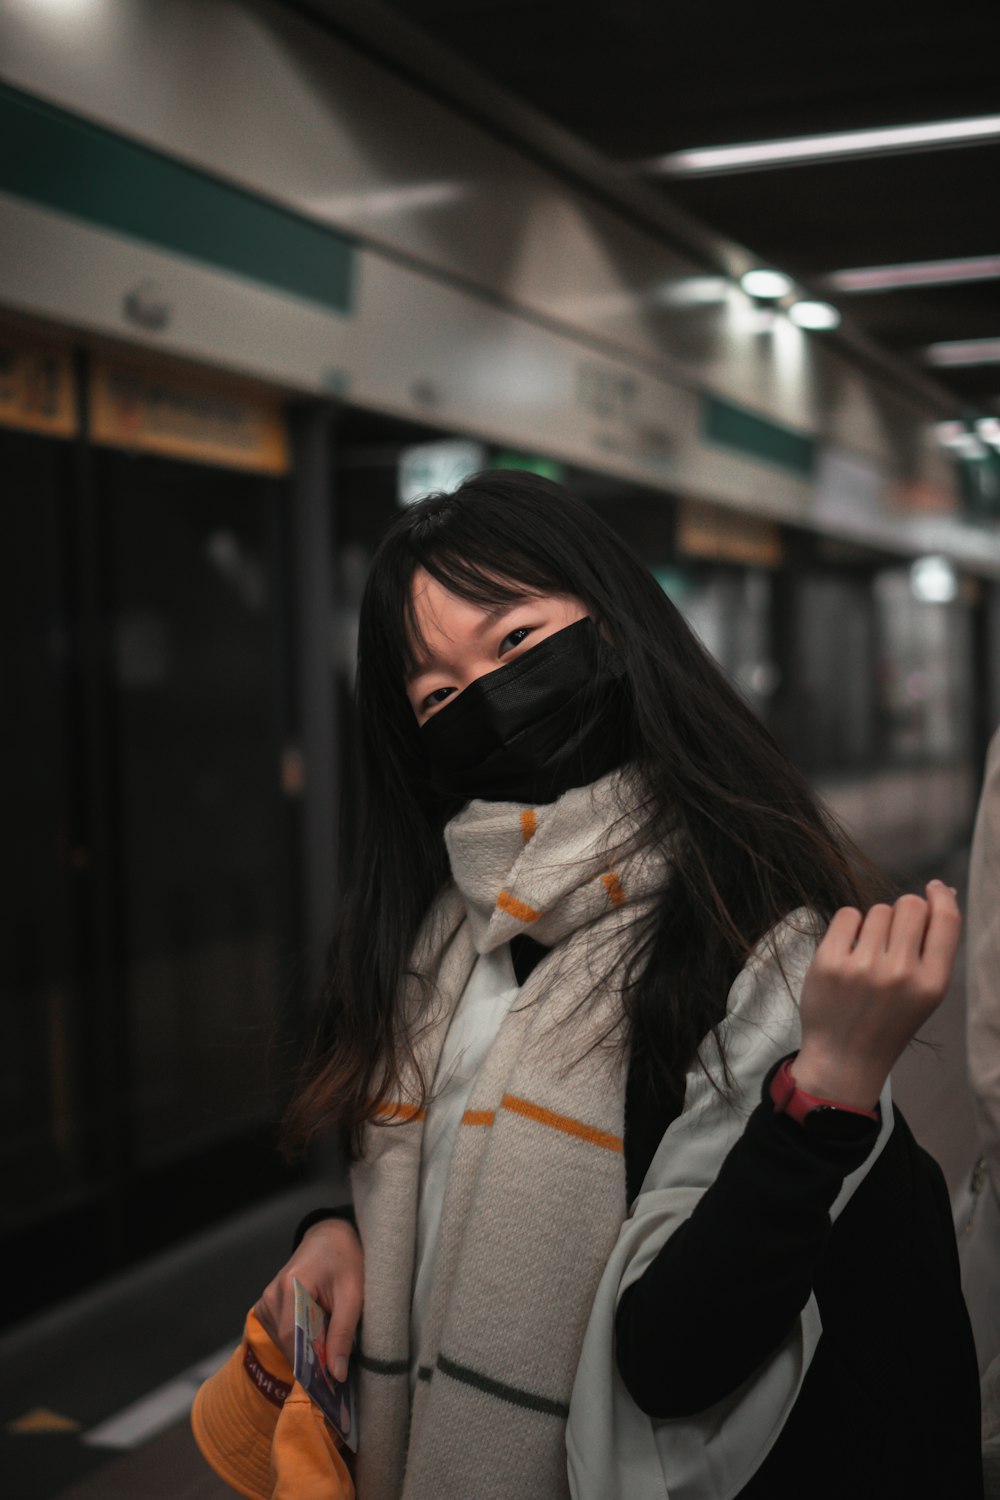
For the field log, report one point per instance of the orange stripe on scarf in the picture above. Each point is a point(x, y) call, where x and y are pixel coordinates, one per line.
point(478, 1117)
point(395, 1109)
point(518, 909)
point(612, 885)
point(529, 824)
point(565, 1123)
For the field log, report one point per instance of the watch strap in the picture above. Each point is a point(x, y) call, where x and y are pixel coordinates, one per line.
point(789, 1099)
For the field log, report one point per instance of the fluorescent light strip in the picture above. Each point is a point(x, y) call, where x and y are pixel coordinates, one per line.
point(766, 283)
point(964, 352)
point(919, 273)
point(815, 315)
point(759, 155)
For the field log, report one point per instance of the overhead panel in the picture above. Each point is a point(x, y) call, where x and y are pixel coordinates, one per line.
point(52, 157)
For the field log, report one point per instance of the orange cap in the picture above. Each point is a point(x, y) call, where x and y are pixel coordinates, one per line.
point(261, 1433)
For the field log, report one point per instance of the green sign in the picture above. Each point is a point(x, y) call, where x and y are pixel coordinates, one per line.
point(61, 161)
point(754, 436)
point(534, 463)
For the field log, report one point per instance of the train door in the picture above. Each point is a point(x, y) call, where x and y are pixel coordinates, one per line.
point(204, 907)
point(47, 1157)
point(150, 958)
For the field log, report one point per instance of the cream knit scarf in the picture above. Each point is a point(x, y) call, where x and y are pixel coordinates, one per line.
point(535, 1195)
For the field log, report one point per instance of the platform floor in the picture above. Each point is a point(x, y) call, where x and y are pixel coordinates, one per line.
point(144, 1337)
point(120, 1365)
point(168, 1467)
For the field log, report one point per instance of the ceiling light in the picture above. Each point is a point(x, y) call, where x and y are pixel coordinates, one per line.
point(964, 352)
point(411, 197)
point(767, 284)
point(919, 273)
point(695, 291)
point(800, 150)
point(814, 315)
point(65, 7)
point(933, 580)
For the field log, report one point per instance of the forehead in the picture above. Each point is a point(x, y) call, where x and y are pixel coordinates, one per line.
point(438, 619)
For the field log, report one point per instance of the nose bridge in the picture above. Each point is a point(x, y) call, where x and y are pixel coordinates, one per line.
point(476, 662)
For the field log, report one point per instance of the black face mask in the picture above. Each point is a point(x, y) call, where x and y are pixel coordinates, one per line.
point(553, 719)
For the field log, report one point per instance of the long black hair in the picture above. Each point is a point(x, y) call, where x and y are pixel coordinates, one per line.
point(749, 841)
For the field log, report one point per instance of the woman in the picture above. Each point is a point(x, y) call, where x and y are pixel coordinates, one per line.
point(634, 1213)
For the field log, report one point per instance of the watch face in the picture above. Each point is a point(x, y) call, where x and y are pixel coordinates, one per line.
point(832, 1124)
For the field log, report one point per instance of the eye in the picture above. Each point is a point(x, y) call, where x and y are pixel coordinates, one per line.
point(433, 699)
point(514, 638)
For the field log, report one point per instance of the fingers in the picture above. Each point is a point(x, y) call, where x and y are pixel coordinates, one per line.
point(262, 1313)
point(909, 924)
point(913, 940)
point(339, 1346)
point(924, 934)
point(330, 1265)
point(841, 935)
point(275, 1312)
point(911, 929)
point(872, 984)
point(340, 1333)
point(873, 938)
point(944, 927)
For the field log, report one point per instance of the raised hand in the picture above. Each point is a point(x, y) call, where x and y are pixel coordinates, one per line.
point(873, 982)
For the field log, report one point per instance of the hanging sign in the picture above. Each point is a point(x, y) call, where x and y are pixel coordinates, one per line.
point(918, 496)
point(712, 531)
point(194, 417)
point(36, 388)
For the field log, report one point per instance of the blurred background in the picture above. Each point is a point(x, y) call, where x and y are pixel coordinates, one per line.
point(271, 271)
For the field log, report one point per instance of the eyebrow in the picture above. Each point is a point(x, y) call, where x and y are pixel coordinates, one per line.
point(424, 664)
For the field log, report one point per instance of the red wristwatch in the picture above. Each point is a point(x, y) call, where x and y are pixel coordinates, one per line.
point(789, 1099)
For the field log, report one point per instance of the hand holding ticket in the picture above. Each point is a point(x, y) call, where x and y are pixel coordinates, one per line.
point(336, 1399)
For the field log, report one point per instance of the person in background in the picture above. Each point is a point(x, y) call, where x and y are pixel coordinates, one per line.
point(981, 1246)
point(607, 1035)
point(978, 1218)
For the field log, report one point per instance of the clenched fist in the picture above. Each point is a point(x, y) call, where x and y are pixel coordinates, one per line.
point(872, 984)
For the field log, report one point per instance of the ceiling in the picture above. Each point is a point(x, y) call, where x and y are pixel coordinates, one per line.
point(635, 79)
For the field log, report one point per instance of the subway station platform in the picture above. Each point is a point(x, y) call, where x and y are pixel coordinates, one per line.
point(273, 272)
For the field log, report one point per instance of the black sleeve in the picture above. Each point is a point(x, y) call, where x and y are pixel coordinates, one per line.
point(343, 1211)
point(726, 1288)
